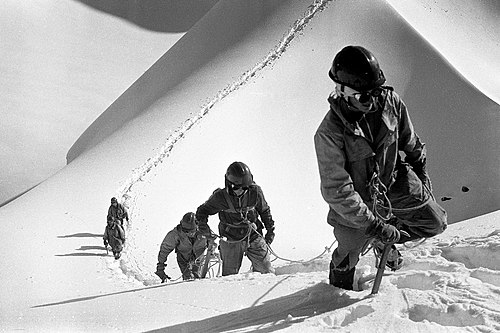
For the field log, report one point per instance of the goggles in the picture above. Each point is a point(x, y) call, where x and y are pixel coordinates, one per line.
point(190, 232)
point(235, 186)
point(362, 97)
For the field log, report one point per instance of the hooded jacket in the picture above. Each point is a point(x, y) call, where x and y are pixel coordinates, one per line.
point(348, 154)
point(119, 212)
point(250, 205)
point(178, 241)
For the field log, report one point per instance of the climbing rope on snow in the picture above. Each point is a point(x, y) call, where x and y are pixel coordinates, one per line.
point(270, 249)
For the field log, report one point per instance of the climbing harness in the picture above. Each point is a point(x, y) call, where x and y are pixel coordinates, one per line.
point(244, 222)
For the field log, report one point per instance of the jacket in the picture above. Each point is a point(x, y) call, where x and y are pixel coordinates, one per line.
point(249, 206)
point(348, 156)
point(176, 240)
point(115, 236)
point(119, 212)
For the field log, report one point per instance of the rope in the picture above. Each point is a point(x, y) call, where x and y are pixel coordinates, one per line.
point(251, 226)
point(379, 197)
point(422, 241)
point(188, 267)
point(269, 248)
point(326, 250)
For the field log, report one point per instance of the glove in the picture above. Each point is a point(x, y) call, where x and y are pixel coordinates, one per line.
point(420, 169)
point(160, 271)
point(161, 274)
point(105, 243)
point(387, 233)
point(269, 237)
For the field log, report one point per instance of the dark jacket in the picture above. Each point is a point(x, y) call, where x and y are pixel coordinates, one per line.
point(347, 157)
point(119, 212)
point(177, 240)
point(251, 205)
point(115, 236)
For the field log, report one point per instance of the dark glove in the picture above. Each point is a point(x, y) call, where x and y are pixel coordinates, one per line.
point(160, 271)
point(269, 237)
point(162, 276)
point(387, 233)
point(105, 243)
point(420, 169)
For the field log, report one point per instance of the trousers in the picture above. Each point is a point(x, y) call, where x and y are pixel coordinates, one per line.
point(415, 209)
point(232, 255)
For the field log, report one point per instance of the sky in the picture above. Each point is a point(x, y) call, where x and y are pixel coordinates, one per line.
point(65, 63)
point(249, 82)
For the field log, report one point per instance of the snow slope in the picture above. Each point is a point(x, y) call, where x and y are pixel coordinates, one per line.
point(256, 94)
point(63, 63)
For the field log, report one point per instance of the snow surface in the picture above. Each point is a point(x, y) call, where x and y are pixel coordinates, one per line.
point(240, 101)
point(62, 64)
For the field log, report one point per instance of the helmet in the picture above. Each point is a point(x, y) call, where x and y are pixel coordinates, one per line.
point(188, 222)
point(113, 200)
point(357, 68)
point(241, 172)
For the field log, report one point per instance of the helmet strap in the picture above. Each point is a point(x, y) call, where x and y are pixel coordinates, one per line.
point(339, 91)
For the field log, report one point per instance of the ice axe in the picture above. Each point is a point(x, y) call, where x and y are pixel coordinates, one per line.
point(382, 263)
point(208, 256)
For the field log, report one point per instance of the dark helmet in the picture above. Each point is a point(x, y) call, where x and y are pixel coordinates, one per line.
point(113, 200)
point(188, 222)
point(241, 172)
point(357, 68)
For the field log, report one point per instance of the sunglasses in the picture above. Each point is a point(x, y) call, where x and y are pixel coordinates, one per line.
point(365, 96)
point(190, 231)
point(235, 186)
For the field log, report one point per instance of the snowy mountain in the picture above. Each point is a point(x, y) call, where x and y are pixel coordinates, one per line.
point(249, 82)
point(63, 63)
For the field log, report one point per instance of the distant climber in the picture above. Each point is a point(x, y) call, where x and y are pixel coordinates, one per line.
point(371, 191)
point(114, 235)
point(189, 244)
point(117, 211)
point(239, 206)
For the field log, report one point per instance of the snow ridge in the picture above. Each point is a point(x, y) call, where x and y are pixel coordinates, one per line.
point(129, 263)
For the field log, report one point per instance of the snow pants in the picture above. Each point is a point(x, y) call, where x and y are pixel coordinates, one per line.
point(232, 255)
point(414, 207)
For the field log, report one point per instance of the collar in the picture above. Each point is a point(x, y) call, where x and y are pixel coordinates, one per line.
point(337, 104)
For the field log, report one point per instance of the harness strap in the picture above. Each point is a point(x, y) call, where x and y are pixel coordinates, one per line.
point(245, 208)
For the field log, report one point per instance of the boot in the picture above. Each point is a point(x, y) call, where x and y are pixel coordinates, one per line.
point(341, 278)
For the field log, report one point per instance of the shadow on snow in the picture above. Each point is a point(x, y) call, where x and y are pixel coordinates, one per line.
point(272, 315)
